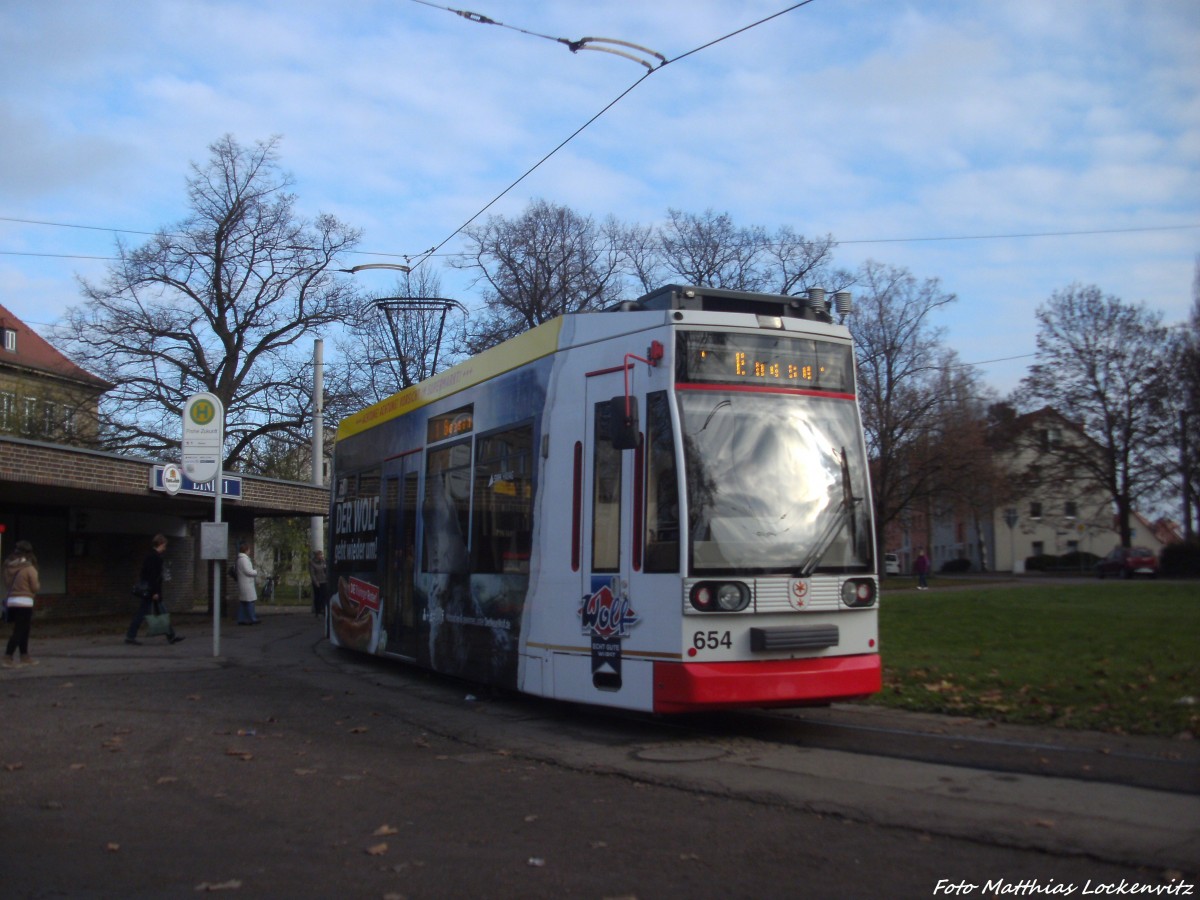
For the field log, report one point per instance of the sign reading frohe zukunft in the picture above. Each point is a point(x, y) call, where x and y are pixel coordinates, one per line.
point(203, 434)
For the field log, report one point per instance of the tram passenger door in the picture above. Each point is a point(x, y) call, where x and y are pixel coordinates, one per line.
point(607, 483)
point(400, 535)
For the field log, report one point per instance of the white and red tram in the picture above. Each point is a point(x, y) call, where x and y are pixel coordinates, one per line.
point(662, 507)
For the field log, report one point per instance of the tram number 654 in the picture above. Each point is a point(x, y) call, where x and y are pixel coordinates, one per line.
point(711, 640)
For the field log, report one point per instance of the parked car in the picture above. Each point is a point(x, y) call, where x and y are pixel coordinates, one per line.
point(1125, 562)
point(891, 564)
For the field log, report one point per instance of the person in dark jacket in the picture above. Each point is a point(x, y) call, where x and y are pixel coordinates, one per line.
point(151, 580)
point(921, 567)
point(318, 574)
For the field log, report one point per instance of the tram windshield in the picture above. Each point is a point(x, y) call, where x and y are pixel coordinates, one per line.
point(776, 483)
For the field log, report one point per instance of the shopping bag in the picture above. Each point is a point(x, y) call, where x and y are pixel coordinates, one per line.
point(158, 623)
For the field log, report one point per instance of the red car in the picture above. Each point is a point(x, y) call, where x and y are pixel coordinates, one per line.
point(1127, 562)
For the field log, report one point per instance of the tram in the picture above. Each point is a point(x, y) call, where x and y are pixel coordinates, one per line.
point(662, 507)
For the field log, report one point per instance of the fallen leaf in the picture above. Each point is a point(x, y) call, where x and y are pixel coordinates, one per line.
point(75, 767)
point(167, 779)
point(531, 818)
point(358, 729)
point(1044, 823)
point(231, 885)
point(305, 771)
point(12, 767)
point(112, 846)
point(192, 697)
point(385, 830)
point(377, 849)
point(240, 754)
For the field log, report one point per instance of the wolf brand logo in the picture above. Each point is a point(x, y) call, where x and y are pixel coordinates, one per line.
point(607, 616)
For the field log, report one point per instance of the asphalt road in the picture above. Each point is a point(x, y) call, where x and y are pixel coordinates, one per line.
point(285, 768)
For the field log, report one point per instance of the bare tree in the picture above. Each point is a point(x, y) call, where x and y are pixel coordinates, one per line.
point(1101, 365)
point(641, 254)
point(900, 385)
point(547, 262)
point(963, 470)
point(216, 303)
point(1189, 416)
point(792, 263)
point(710, 251)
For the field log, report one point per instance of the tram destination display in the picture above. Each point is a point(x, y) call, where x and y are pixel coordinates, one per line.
point(722, 357)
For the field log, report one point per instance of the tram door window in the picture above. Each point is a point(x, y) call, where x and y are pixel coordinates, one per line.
point(502, 521)
point(447, 509)
point(400, 533)
point(606, 493)
point(662, 488)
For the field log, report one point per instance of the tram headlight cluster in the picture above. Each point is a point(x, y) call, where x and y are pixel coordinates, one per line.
point(720, 596)
point(858, 592)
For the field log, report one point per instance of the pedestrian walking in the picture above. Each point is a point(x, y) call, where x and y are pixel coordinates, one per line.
point(149, 590)
point(21, 582)
point(247, 590)
point(921, 567)
point(318, 574)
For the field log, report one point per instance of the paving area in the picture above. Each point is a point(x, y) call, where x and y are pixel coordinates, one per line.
point(285, 768)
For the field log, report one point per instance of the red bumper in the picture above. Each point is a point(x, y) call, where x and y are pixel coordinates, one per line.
point(687, 687)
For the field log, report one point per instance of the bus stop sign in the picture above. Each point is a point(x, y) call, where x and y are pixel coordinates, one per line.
point(203, 436)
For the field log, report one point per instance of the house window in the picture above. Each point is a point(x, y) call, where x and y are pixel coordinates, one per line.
point(1035, 510)
point(10, 339)
point(30, 420)
point(8, 410)
point(1050, 438)
point(1038, 548)
point(1071, 509)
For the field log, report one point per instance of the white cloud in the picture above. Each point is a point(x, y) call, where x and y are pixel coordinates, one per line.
point(867, 118)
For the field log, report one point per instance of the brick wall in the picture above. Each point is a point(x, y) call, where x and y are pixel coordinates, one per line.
point(102, 561)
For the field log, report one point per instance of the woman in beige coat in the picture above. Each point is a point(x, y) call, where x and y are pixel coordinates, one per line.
point(21, 580)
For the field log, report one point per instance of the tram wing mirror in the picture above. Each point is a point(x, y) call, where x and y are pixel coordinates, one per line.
point(623, 414)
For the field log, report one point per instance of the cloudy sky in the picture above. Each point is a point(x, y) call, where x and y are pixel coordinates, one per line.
point(1008, 148)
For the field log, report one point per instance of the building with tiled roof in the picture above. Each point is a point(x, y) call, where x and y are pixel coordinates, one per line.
point(43, 395)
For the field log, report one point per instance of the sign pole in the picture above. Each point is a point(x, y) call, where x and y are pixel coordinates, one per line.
point(203, 458)
point(216, 570)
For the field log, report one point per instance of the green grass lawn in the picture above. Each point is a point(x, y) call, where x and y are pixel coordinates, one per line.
point(1114, 656)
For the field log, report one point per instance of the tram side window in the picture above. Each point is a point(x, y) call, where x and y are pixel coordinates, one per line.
point(662, 488)
point(447, 508)
point(606, 494)
point(356, 518)
point(502, 521)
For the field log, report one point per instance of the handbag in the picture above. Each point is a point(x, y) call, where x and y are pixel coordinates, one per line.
point(159, 622)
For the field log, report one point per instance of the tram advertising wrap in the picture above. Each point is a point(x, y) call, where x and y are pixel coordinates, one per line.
point(661, 507)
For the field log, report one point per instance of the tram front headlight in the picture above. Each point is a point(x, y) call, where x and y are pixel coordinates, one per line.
point(858, 592)
point(732, 597)
point(719, 596)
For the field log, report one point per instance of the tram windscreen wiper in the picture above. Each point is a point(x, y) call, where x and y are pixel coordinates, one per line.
point(843, 515)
